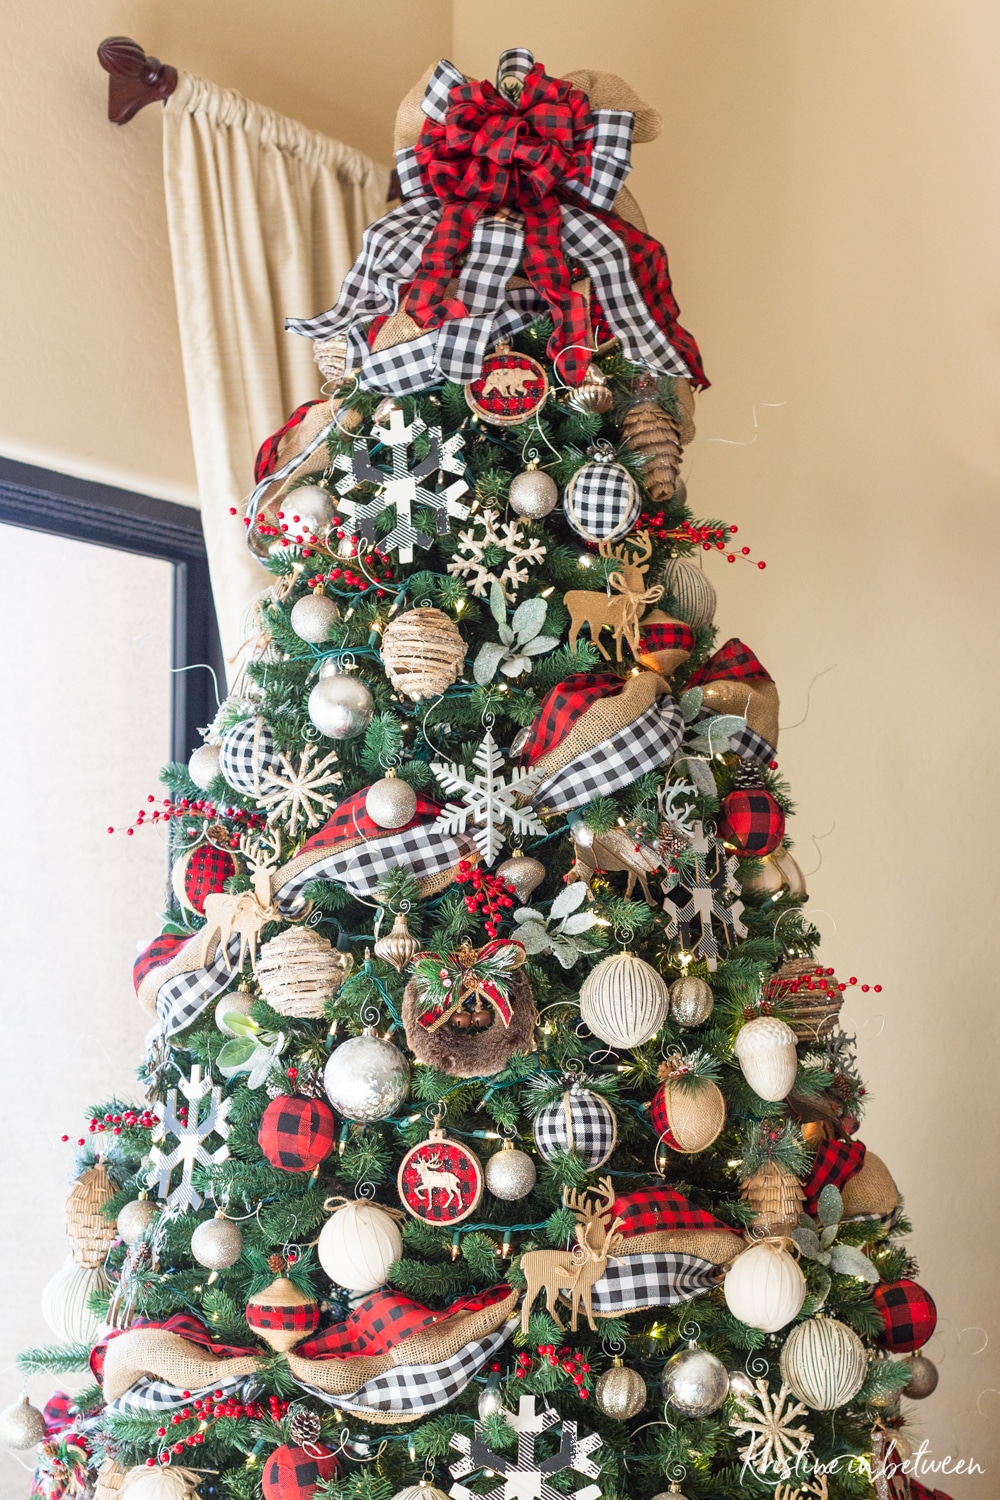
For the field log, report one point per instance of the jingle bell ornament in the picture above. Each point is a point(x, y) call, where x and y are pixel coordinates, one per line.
point(217, 1243)
point(358, 1244)
point(282, 1314)
point(398, 947)
point(510, 1174)
point(203, 766)
point(621, 1392)
point(440, 1181)
point(135, 1217)
point(341, 706)
point(21, 1425)
point(312, 616)
point(691, 1000)
point(391, 802)
point(624, 1001)
point(694, 1382)
point(522, 872)
point(765, 1048)
point(533, 493)
point(366, 1078)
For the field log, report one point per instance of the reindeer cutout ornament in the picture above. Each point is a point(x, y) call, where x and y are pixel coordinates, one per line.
point(234, 921)
point(620, 606)
point(440, 1181)
point(573, 1273)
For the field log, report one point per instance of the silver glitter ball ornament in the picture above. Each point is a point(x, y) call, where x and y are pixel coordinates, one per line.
point(236, 1004)
point(21, 1425)
point(307, 512)
point(695, 1383)
point(490, 1399)
point(135, 1217)
point(510, 1174)
point(620, 1392)
point(674, 1493)
point(366, 1078)
point(312, 616)
point(203, 767)
point(341, 706)
point(522, 872)
point(691, 1000)
point(923, 1378)
point(533, 493)
point(217, 1243)
point(391, 802)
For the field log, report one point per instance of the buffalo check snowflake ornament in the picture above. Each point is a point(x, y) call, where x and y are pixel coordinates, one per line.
point(191, 1128)
point(521, 554)
point(526, 1476)
point(402, 487)
point(774, 1443)
point(701, 899)
point(488, 800)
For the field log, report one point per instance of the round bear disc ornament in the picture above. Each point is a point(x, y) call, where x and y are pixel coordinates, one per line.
point(751, 823)
point(580, 1121)
point(292, 1473)
point(602, 500)
point(440, 1181)
point(509, 390)
point(296, 1133)
point(824, 1363)
point(246, 753)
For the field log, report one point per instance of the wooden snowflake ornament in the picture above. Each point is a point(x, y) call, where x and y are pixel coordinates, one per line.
point(522, 555)
point(526, 1476)
point(775, 1445)
point(298, 795)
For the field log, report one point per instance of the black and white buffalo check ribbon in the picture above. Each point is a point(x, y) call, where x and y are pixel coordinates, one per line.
point(658, 1279)
point(644, 745)
point(148, 1395)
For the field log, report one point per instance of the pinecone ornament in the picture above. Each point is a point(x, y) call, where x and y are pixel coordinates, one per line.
point(748, 777)
point(310, 1081)
point(304, 1427)
point(654, 434)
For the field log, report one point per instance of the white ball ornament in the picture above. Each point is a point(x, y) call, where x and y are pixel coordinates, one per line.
point(65, 1299)
point(765, 1048)
point(824, 1363)
point(203, 766)
point(624, 1001)
point(358, 1244)
point(366, 1078)
point(341, 706)
point(510, 1174)
point(218, 1243)
point(160, 1483)
point(312, 616)
point(236, 1004)
point(764, 1287)
point(21, 1425)
point(391, 802)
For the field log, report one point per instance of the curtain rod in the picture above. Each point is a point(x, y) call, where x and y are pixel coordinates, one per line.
point(136, 80)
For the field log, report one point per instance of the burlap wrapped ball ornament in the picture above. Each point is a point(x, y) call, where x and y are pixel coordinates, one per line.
point(90, 1233)
point(579, 1121)
point(217, 1243)
point(21, 1425)
point(664, 643)
point(471, 1053)
point(296, 1134)
point(203, 766)
point(246, 753)
point(312, 616)
point(765, 1048)
point(292, 1473)
point(358, 1244)
point(135, 1217)
point(298, 971)
point(624, 1001)
point(691, 592)
point(824, 1363)
point(282, 1314)
point(422, 652)
point(366, 1078)
point(908, 1314)
point(751, 823)
point(688, 1115)
point(764, 1287)
point(871, 1192)
point(160, 1483)
point(620, 1392)
point(66, 1298)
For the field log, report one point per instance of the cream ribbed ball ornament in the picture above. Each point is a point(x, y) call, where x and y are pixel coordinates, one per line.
point(358, 1244)
point(21, 1425)
point(824, 1363)
point(691, 1000)
point(765, 1048)
point(160, 1483)
point(624, 1001)
point(391, 802)
point(764, 1287)
point(691, 591)
point(65, 1299)
point(135, 1217)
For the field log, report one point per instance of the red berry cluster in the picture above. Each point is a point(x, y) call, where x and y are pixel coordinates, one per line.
point(820, 979)
point(187, 808)
point(705, 537)
point(491, 894)
point(210, 1409)
point(573, 1365)
point(114, 1123)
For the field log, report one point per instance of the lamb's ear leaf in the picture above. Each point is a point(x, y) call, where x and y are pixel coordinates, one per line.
point(569, 898)
point(498, 604)
point(529, 617)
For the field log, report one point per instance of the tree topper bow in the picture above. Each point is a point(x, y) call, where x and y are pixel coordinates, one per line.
point(446, 981)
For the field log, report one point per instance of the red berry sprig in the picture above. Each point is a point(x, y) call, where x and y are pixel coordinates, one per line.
point(206, 1411)
point(491, 895)
point(113, 1123)
point(200, 807)
point(705, 537)
point(572, 1364)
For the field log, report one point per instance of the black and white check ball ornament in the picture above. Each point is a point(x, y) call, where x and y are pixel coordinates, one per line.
point(601, 501)
point(247, 752)
point(579, 1121)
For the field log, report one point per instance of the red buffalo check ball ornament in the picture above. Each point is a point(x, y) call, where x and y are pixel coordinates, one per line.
point(440, 1181)
point(908, 1315)
point(296, 1133)
point(292, 1472)
point(751, 823)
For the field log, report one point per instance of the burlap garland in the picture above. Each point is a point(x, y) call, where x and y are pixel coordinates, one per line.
point(90, 1234)
point(720, 1246)
point(600, 721)
point(754, 697)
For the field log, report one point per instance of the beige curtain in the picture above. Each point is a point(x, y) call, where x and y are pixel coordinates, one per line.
point(265, 219)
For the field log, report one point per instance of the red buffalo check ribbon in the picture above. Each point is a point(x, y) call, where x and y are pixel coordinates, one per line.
point(447, 982)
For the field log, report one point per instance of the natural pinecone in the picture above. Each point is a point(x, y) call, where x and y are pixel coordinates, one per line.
point(842, 1087)
point(277, 1085)
point(654, 434)
point(671, 840)
point(748, 777)
point(310, 1081)
point(684, 396)
point(304, 1427)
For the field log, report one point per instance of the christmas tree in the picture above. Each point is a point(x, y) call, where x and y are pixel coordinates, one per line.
point(499, 1136)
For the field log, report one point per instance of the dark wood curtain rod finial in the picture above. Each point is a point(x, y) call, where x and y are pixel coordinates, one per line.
point(136, 80)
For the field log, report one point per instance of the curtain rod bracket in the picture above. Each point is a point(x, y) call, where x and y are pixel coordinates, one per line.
point(136, 80)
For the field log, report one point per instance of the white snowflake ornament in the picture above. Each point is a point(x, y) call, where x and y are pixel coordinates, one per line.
point(191, 1129)
point(526, 1477)
point(469, 561)
point(488, 800)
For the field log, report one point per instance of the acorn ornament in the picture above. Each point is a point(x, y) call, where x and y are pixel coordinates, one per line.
point(621, 1392)
point(624, 1001)
point(523, 872)
point(21, 1425)
point(765, 1048)
point(510, 1174)
point(533, 493)
point(312, 616)
point(691, 1000)
point(217, 1243)
point(398, 946)
point(391, 802)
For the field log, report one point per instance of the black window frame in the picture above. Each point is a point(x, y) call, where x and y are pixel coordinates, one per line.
point(63, 505)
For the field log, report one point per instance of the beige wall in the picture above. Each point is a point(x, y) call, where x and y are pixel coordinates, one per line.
point(826, 190)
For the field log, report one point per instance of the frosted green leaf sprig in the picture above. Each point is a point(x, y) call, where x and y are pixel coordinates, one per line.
point(563, 940)
point(817, 1239)
point(519, 641)
point(251, 1051)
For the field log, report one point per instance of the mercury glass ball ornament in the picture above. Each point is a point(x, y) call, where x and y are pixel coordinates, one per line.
point(21, 1425)
point(217, 1243)
point(366, 1078)
point(523, 872)
point(341, 706)
point(236, 1004)
point(510, 1174)
point(135, 1217)
point(312, 616)
point(741, 1384)
point(307, 512)
point(533, 494)
point(923, 1378)
point(203, 767)
point(621, 1392)
point(695, 1383)
point(691, 1000)
point(391, 802)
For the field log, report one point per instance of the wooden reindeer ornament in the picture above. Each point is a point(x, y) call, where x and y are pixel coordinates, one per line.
point(574, 1272)
point(244, 914)
point(616, 851)
point(619, 607)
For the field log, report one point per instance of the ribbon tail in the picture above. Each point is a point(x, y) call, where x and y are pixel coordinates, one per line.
point(427, 301)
